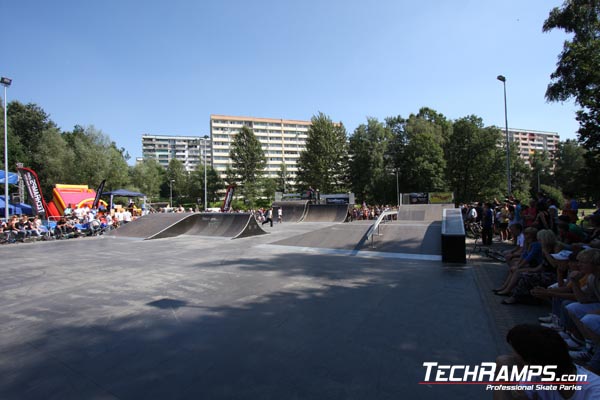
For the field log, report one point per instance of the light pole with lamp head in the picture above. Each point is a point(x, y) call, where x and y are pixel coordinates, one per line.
point(502, 79)
point(6, 83)
point(205, 191)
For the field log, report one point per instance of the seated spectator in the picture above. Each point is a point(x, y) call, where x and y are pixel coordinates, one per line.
point(570, 232)
point(22, 226)
point(530, 258)
point(9, 230)
point(536, 345)
point(61, 229)
point(543, 274)
point(68, 210)
point(30, 228)
point(588, 303)
point(594, 234)
point(513, 256)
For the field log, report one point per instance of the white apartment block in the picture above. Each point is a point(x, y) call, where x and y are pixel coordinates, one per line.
point(282, 141)
point(190, 150)
point(530, 142)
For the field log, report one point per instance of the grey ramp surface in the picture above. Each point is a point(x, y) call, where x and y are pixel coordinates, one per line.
point(194, 318)
point(149, 225)
point(292, 211)
point(339, 236)
point(408, 238)
point(326, 213)
point(422, 212)
point(156, 226)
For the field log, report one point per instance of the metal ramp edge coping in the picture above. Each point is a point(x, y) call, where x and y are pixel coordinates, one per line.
point(169, 226)
point(304, 207)
point(250, 220)
point(307, 209)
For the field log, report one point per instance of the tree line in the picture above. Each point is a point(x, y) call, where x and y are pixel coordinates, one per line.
point(422, 152)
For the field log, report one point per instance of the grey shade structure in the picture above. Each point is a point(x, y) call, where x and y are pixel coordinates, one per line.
point(123, 193)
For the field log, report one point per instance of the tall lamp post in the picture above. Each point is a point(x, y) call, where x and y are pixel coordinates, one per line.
point(502, 79)
point(6, 83)
point(171, 192)
point(397, 189)
point(205, 191)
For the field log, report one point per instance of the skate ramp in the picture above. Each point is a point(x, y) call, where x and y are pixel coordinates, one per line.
point(422, 212)
point(293, 211)
point(160, 226)
point(326, 213)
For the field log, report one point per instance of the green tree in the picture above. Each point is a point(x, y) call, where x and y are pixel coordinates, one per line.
point(570, 167)
point(147, 177)
point(248, 162)
point(213, 184)
point(475, 164)
point(370, 168)
point(28, 124)
point(541, 169)
point(577, 75)
point(417, 150)
point(176, 180)
point(96, 158)
point(247, 156)
point(324, 163)
point(283, 183)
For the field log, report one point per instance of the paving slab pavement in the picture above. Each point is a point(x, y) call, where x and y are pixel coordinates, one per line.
point(192, 317)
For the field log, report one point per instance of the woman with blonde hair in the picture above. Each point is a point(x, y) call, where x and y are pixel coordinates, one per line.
point(542, 275)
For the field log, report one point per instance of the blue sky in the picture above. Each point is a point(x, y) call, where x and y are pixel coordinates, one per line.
point(157, 67)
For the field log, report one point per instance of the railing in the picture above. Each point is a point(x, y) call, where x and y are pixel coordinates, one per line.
point(375, 226)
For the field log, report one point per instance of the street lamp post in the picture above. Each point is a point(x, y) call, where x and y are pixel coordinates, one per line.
point(205, 191)
point(502, 79)
point(171, 193)
point(6, 83)
point(397, 190)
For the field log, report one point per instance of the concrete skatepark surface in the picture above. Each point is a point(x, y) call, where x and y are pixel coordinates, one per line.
point(210, 318)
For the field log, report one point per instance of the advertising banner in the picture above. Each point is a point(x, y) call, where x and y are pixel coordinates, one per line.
point(32, 184)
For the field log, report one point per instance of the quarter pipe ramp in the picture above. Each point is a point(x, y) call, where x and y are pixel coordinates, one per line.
point(159, 226)
point(292, 211)
point(326, 213)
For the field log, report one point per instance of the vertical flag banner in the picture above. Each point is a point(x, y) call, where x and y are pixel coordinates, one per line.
point(98, 194)
point(34, 189)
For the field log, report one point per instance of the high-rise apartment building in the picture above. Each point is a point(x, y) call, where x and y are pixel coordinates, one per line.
point(530, 142)
point(282, 141)
point(190, 150)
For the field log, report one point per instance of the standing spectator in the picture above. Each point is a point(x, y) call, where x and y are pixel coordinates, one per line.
point(529, 214)
point(487, 224)
point(279, 215)
point(553, 213)
point(571, 207)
